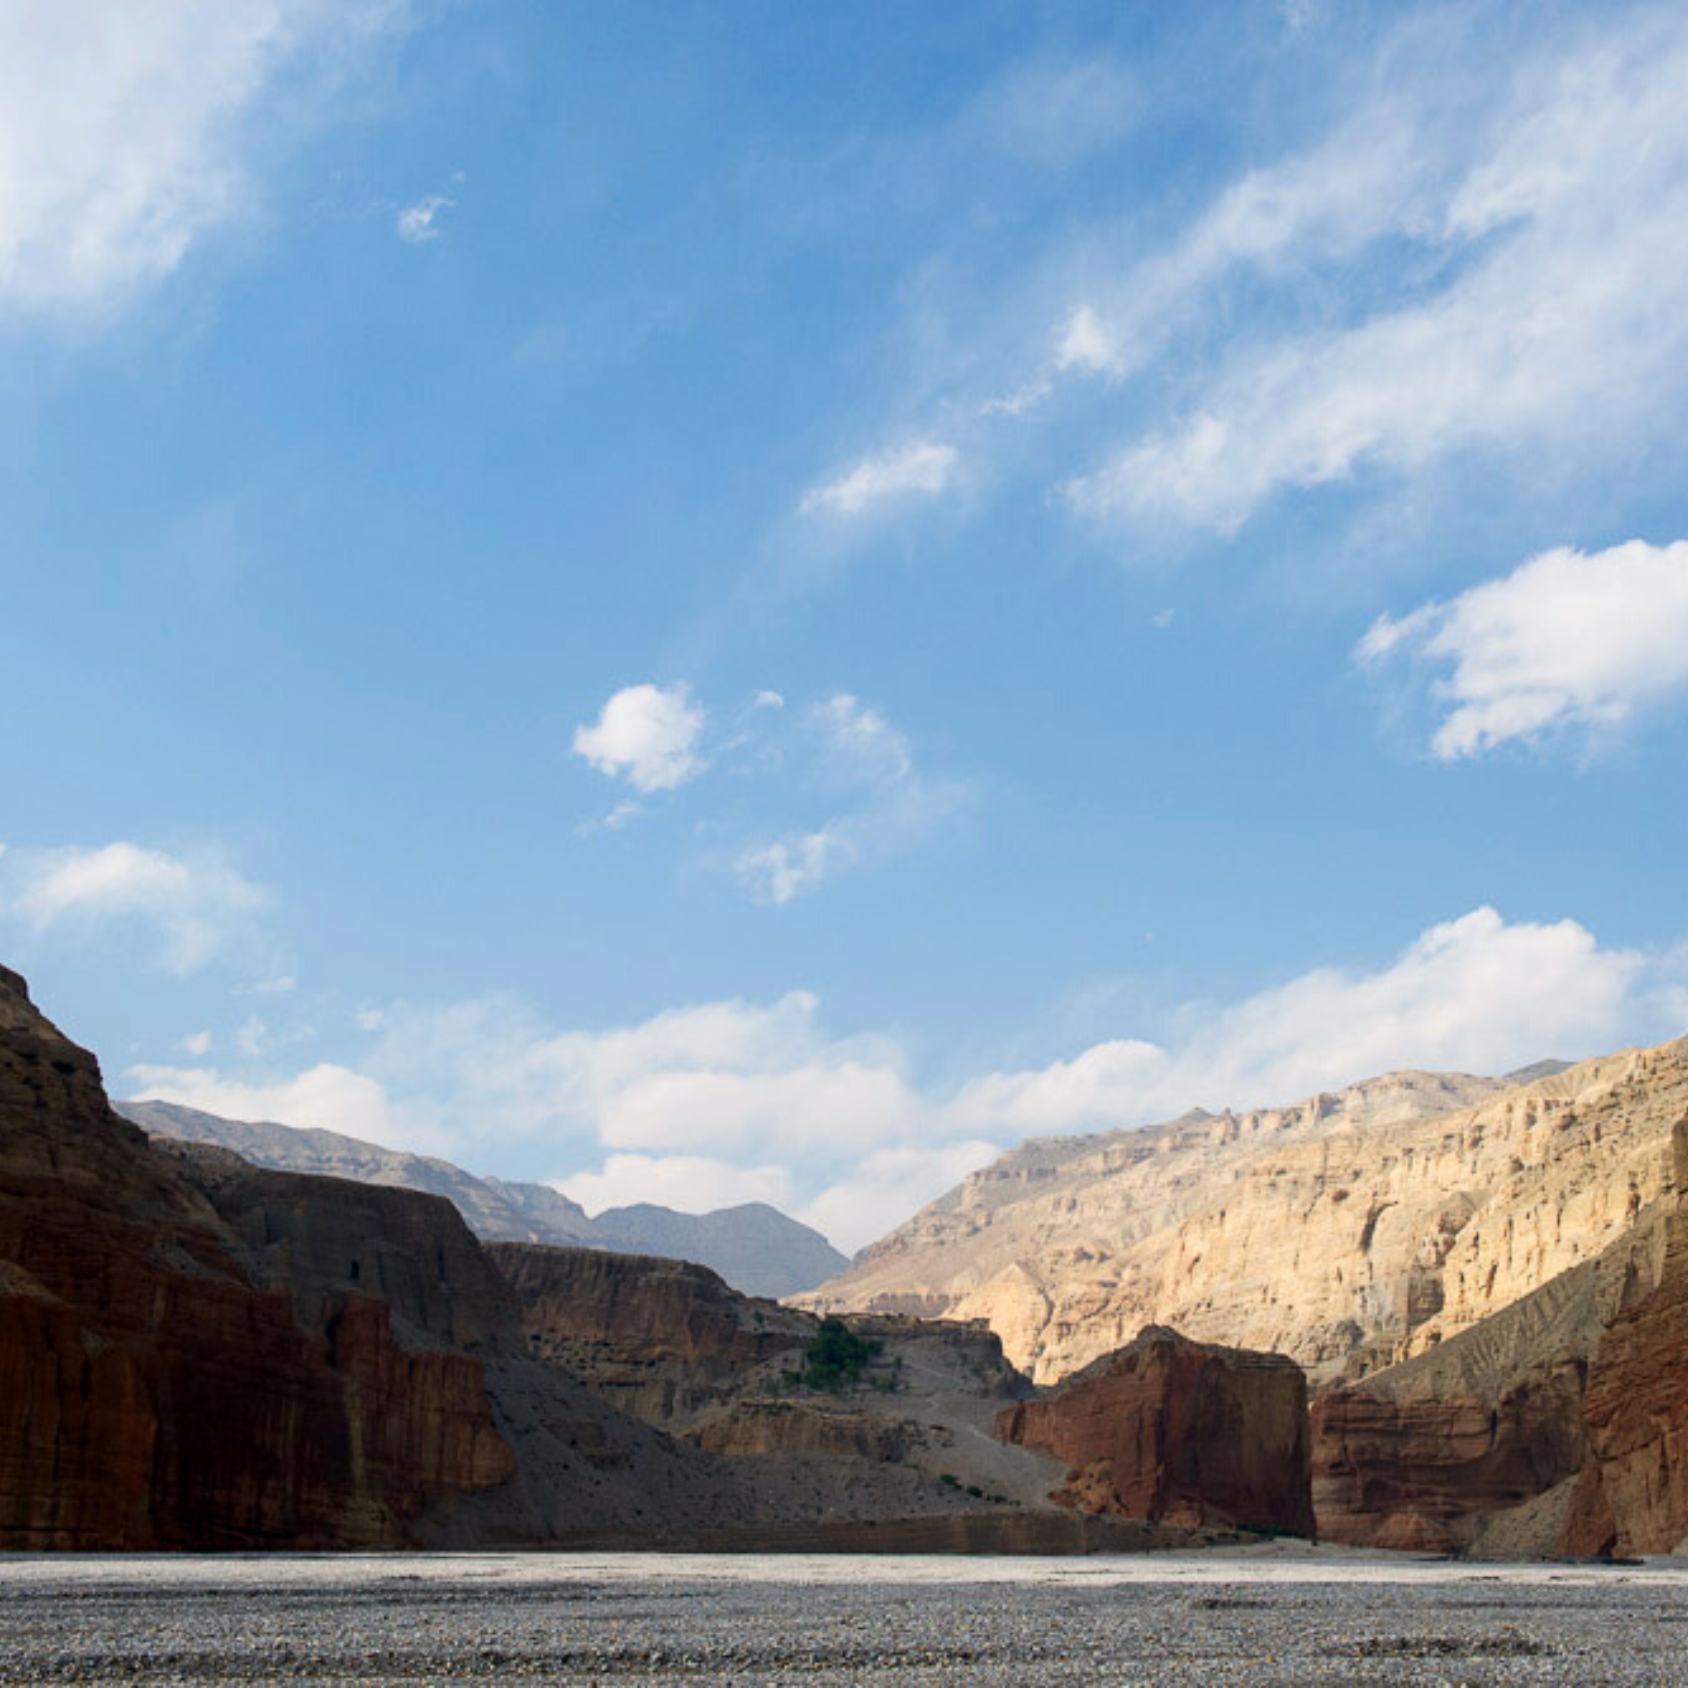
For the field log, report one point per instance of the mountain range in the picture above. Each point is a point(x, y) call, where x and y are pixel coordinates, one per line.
point(1429, 1311)
point(755, 1247)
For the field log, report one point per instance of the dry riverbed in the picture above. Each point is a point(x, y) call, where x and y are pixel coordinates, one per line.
point(1276, 1614)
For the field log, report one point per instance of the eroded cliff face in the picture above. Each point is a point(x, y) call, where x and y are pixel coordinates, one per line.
point(1473, 1445)
point(1179, 1432)
point(1632, 1494)
point(657, 1338)
point(1424, 1474)
point(153, 1392)
point(1351, 1232)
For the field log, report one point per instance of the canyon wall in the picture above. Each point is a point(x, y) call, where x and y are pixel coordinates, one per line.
point(1179, 1432)
point(154, 1392)
point(658, 1338)
point(1632, 1493)
point(1351, 1232)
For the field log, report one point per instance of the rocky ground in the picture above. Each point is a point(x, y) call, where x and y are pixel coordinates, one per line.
point(1277, 1615)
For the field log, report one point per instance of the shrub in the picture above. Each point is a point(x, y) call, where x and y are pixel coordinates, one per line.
point(837, 1356)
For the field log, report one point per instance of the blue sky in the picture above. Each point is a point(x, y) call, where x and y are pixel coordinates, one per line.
point(733, 601)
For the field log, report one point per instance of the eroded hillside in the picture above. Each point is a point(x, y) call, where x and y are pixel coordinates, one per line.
point(1349, 1232)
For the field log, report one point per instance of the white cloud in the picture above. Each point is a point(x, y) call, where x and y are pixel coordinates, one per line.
point(1567, 640)
point(326, 1096)
point(1473, 995)
point(731, 1100)
point(687, 1183)
point(778, 872)
point(862, 754)
point(925, 469)
point(418, 223)
point(197, 907)
point(883, 1188)
point(1553, 226)
point(1088, 345)
point(126, 131)
point(647, 733)
point(197, 1044)
point(618, 819)
point(809, 1107)
point(863, 744)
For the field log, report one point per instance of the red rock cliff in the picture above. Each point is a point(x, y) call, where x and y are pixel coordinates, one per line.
point(1179, 1432)
point(1420, 1474)
point(153, 1392)
point(1632, 1496)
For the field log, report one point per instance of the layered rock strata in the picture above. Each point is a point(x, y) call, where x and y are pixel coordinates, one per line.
point(1461, 1448)
point(1179, 1432)
point(153, 1392)
point(1631, 1496)
point(1351, 1232)
point(657, 1338)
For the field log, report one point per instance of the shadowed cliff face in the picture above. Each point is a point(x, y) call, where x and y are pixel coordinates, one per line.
point(1632, 1495)
point(1179, 1432)
point(155, 1391)
point(656, 1338)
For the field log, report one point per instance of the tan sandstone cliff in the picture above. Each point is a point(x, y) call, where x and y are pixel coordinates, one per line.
point(1352, 1231)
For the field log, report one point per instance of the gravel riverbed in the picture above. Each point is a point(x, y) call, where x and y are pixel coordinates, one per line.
point(594, 1618)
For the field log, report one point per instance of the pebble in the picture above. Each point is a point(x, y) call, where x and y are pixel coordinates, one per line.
point(385, 1619)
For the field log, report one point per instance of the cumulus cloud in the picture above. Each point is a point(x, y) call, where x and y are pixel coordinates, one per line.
point(126, 130)
point(925, 469)
point(687, 1183)
point(326, 1096)
point(732, 1100)
point(1477, 994)
point(195, 907)
point(1568, 640)
point(418, 224)
point(647, 734)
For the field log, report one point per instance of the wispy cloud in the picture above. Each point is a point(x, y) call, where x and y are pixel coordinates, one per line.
point(780, 871)
point(194, 908)
point(1555, 251)
point(925, 469)
point(861, 757)
point(126, 130)
point(1568, 640)
point(1484, 251)
point(419, 223)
